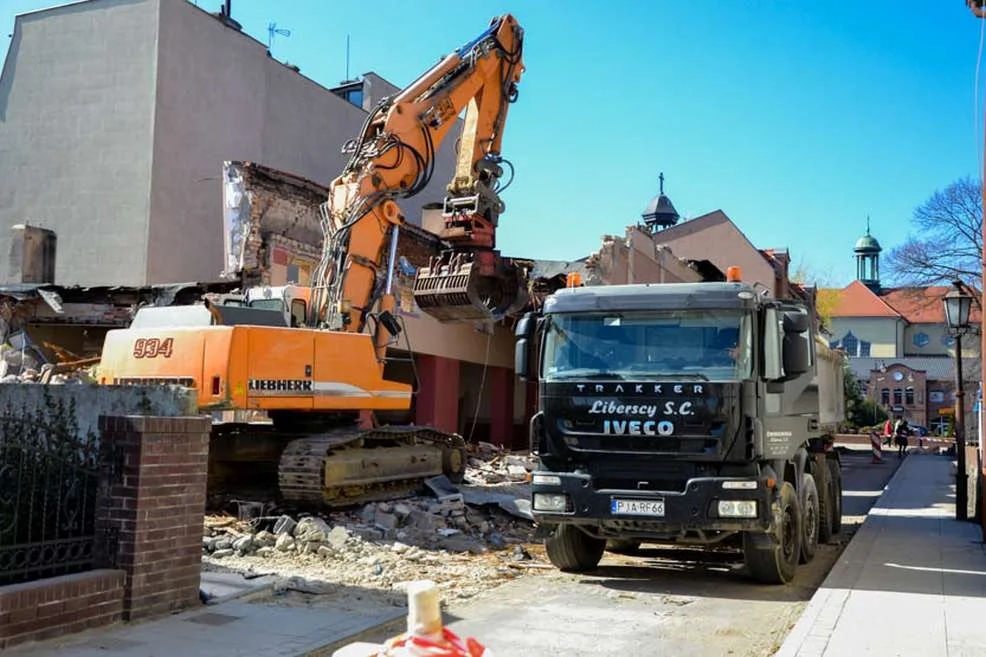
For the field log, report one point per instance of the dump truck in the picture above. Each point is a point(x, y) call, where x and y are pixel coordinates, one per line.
point(690, 414)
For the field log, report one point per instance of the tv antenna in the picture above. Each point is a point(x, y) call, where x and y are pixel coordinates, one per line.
point(273, 29)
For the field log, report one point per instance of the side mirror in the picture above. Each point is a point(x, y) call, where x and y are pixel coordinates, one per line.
point(525, 326)
point(796, 347)
point(795, 322)
point(524, 332)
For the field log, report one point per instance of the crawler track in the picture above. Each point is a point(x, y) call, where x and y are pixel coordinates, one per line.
point(365, 464)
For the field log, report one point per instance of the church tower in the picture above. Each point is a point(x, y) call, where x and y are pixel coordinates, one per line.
point(868, 260)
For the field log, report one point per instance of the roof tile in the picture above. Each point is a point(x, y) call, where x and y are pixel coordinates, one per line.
point(857, 300)
point(922, 305)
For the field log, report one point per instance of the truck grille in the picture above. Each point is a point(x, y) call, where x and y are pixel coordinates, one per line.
point(643, 444)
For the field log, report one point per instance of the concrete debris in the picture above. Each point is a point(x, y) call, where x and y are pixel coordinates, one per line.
point(490, 465)
point(312, 530)
point(21, 361)
point(284, 525)
point(285, 542)
point(468, 538)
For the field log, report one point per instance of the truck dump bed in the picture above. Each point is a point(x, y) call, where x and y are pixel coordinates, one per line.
point(831, 384)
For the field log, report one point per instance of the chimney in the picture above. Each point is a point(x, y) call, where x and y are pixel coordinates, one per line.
point(32, 255)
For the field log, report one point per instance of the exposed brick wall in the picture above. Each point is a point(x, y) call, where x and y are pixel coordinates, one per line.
point(59, 605)
point(154, 504)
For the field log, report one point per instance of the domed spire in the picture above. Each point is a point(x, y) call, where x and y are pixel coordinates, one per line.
point(867, 243)
point(660, 213)
point(868, 259)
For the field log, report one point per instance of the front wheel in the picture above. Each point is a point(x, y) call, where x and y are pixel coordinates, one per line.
point(774, 560)
point(572, 550)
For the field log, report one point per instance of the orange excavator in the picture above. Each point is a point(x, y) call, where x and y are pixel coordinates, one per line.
point(314, 359)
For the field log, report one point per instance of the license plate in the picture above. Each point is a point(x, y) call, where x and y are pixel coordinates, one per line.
point(637, 507)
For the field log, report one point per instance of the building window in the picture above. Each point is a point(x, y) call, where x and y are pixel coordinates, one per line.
point(898, 396)
point(864, 349)
point(909, 396)
point(355, 96)
point(936, 396)
point(850, 344)
point(885, 396)
point(921, 339)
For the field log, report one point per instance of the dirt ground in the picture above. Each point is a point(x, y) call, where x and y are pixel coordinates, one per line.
point(659, 601)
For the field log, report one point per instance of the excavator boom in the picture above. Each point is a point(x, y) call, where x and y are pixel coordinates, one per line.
point(393, 158)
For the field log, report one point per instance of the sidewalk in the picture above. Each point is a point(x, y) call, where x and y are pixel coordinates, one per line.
point(911, 582)
point(233, 627)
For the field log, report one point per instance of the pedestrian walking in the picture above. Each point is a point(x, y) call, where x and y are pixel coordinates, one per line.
point(900, 437)
point(888, 432)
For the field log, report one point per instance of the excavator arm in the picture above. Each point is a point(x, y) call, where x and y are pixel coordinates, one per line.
point(393, 158)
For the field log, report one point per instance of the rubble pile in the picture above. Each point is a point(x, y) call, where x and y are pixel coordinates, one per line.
point(23, 362)
point(467, 538)
point(491, 465)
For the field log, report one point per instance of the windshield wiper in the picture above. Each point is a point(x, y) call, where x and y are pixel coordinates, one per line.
point(590, 375)
point(672, 375)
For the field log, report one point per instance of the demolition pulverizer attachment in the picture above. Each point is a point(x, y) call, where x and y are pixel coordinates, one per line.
point(472, 286)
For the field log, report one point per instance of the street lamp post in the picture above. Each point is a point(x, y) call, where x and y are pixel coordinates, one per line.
point(957, 307)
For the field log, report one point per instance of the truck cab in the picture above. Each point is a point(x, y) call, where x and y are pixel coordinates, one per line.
point(678, 413)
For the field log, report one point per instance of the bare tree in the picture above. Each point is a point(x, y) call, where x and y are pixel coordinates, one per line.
point(948, 245)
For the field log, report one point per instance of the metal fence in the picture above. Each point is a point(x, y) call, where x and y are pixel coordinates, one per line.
point(49, 480)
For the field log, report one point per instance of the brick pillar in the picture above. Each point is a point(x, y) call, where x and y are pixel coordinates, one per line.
point(437, 404)
point(151, 509)
point(501, 384)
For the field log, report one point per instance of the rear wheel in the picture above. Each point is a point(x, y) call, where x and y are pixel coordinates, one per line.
point(775, 561)
point(810, 515)
point(830, 504)
point(572, 550)
point(835, 513)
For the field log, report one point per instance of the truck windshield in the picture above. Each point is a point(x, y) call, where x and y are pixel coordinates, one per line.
point(704, 344)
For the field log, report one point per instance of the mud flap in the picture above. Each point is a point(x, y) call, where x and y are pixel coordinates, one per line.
point(765, 541)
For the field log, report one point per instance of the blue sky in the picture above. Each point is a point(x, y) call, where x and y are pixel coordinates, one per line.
point(797, 119)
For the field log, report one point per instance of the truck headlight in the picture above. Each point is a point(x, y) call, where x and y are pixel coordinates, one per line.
point(737, 508)
point(551, 502)
point(546, 480)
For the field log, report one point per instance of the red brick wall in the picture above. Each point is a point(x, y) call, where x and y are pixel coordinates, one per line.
point(153, 505)
point(437, 403)
point(59, 605)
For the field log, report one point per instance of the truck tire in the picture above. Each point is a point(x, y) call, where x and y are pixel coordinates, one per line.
point(810, 511)
point(775, 561)
point(830, 504)
point(623, 545)
point(572, 550)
